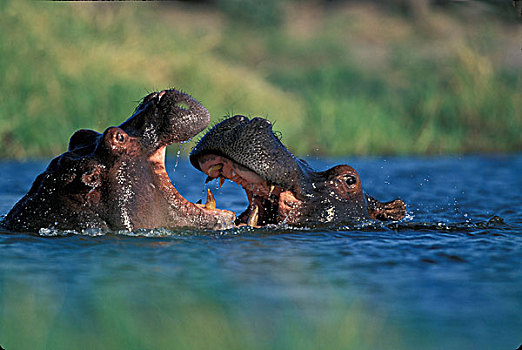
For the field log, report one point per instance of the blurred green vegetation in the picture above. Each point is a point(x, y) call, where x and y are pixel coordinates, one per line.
point(39, 315)
point(337, 79)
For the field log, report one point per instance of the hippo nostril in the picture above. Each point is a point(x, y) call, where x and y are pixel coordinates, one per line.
point(240, 117)
point(182, 105)
point(261, 122)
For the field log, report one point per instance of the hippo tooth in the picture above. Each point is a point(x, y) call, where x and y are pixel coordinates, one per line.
point(211, 202)
point(271, 190)
point(216, 167)
point(221, 181)
point(254, 216)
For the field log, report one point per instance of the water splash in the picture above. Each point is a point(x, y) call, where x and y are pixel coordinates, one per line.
point(125, 195)
point(361, 226)
point(494, 222)
point(181, 148)
point(53, 232)
point(177, 156)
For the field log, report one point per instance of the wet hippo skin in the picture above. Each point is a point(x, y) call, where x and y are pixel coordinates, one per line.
point(117, 179)
point(280, 187)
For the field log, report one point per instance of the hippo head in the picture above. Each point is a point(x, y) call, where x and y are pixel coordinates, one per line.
point(117, 179)
point(281, 188)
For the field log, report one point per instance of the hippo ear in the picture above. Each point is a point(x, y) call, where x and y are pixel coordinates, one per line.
point(82, 139)
point(394, 210)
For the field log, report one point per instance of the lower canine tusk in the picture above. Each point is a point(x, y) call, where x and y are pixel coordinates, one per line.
point(253, 217)
point(211, 202)
point(216, 167)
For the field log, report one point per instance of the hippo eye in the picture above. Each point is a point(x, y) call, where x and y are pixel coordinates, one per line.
point(120, 137)
point(350, 180)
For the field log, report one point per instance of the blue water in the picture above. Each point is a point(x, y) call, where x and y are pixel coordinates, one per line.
point(444, 278)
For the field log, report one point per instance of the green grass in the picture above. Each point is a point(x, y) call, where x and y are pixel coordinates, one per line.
point(337, 81)
point(70, 66)
point(154, 316)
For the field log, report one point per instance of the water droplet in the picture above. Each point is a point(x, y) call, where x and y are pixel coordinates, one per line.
point(181, 146)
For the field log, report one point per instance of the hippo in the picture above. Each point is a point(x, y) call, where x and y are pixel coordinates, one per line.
point(282, 189)
point(116, 180)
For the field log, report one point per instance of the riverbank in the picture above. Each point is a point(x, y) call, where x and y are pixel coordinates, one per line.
point(336, 80)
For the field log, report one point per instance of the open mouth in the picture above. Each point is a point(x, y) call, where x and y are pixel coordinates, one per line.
point(183, 105)
point(247, 152)
point(224, 218)
point(268, 202)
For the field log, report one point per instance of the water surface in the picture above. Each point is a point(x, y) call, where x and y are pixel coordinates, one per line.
point(447, 277)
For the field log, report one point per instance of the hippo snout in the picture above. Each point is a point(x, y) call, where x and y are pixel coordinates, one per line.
point(280, 187)
point(166, 117)
point(117, 179)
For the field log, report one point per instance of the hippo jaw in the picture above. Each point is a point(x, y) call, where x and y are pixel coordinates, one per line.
point(272, 203)
point(281, 188)
point(117, 180)
point(266, 200)
point(248, 153)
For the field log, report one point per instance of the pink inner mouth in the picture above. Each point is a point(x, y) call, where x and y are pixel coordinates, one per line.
point(209, 208)
point(268, 203)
